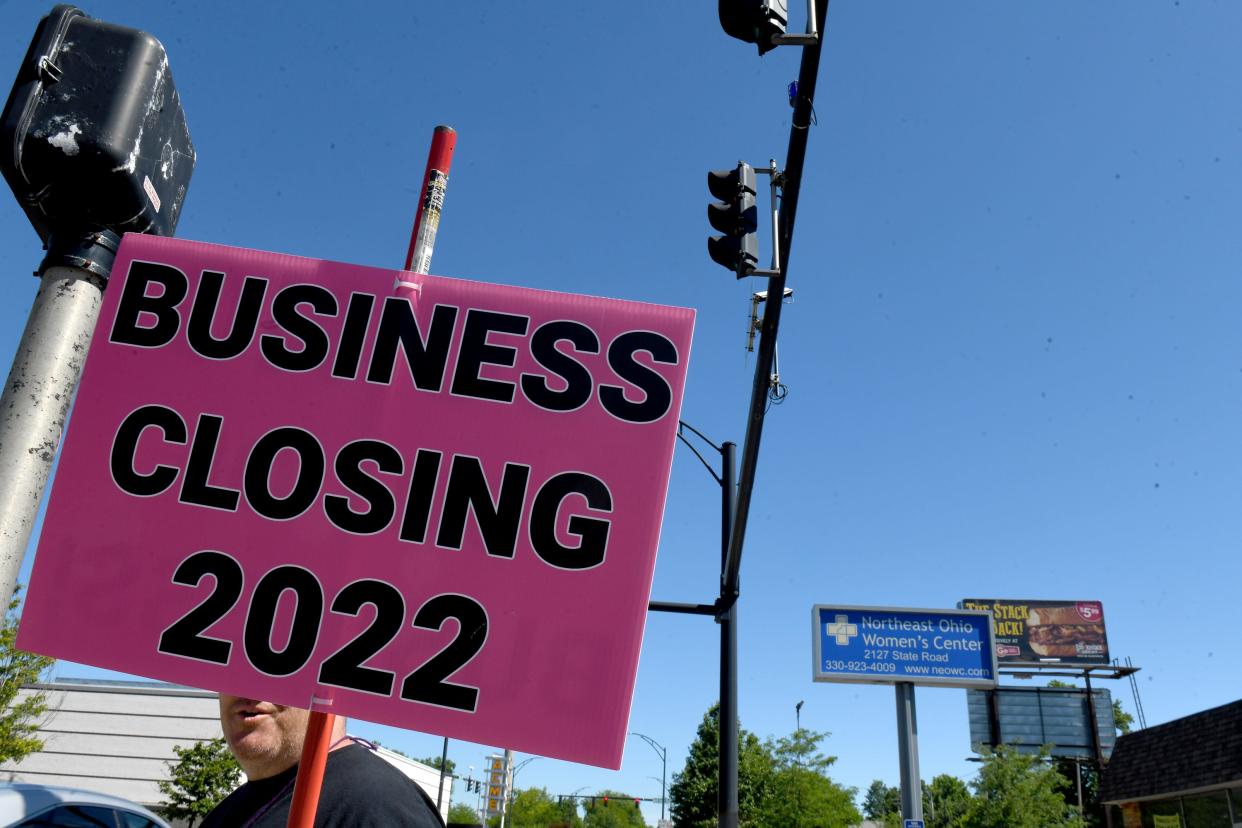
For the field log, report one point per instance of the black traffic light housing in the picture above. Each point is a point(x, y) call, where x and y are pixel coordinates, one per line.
point(736, 215)
point(94, 135)
point(755, 21)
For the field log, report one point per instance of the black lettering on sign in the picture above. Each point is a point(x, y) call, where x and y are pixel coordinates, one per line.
point(203, 315)
point(573, 374)
point(185, 637)
point(425, 357)
point(422, 490)
point(657, 396)
point(591, 532)
point(344, 667)
point(380, 501)
point(126, 327)
point(195, 489)
point(259, 468)
point(476, 351)
point(467, 493)
point(428, 684)
point(125, 445)
point(353, 335)
point(303, 631)
point(286, 313)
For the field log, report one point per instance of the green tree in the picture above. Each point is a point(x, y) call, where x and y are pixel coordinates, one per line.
point(203, 775)
point(534, 808)
point(693, 792)
point(1091, 808)
point(1018, 790)
point(945, 801)
point(19, 720)
point(881, 801)
point(801, 792)
point(620, 811)
point(462, 814)
point(434, 761)
point(568, 814)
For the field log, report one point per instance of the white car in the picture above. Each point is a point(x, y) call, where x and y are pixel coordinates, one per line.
point(45, 806)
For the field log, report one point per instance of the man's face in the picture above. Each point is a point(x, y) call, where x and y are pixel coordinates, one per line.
point(265, 738)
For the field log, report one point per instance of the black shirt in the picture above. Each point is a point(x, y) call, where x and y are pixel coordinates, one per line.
point(359, 789)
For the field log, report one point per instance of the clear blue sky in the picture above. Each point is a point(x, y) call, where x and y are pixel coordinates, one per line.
point(1014, 357)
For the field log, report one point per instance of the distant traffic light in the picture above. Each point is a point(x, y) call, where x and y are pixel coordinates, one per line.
point(736, 216)
point(754, 21)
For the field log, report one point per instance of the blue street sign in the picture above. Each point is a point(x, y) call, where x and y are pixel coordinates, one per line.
point(912, 823)
point(885, 645)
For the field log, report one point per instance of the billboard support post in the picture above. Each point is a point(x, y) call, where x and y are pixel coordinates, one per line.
point(908, 751)
point(994, 719)
point(1095, 730)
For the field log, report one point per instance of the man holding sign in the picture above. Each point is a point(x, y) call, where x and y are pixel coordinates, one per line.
point(417, 501)
point(359, 788)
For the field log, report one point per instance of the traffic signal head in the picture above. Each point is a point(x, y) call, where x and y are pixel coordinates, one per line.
point(754, 21)
point(736, 216)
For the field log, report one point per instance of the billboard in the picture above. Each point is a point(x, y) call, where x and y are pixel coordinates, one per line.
point(419, 501)
point(1032, 718)
point(1038, 632)
point(886, 645)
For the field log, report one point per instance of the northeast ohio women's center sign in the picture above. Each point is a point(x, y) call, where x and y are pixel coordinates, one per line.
point(889, 645)
point(419, 501)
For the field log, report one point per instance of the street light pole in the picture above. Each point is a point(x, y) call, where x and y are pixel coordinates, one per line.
point(662, 752)
point(513, 786)
point(797, 733)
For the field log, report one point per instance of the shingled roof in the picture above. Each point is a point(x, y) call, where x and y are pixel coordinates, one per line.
point(1203, 750)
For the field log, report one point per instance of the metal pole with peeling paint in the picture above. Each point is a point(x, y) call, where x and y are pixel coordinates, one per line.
point(36, 400)
point(138, 167)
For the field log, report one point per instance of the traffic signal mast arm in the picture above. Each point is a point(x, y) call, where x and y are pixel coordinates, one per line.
point(774, 182)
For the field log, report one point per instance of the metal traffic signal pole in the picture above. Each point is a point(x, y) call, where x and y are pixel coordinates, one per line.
point(81, 191)
point(36, 400)
point(726, 805)
point(794, 160)
point(736, 504)
point(729, 584)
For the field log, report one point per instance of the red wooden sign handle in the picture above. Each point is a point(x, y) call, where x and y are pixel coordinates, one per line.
point(310, 770)
point(319, 728)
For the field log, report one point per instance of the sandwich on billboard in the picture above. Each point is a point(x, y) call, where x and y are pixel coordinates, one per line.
point(1062, 632)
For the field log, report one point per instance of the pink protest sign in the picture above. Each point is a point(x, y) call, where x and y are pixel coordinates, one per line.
point(432, 504)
